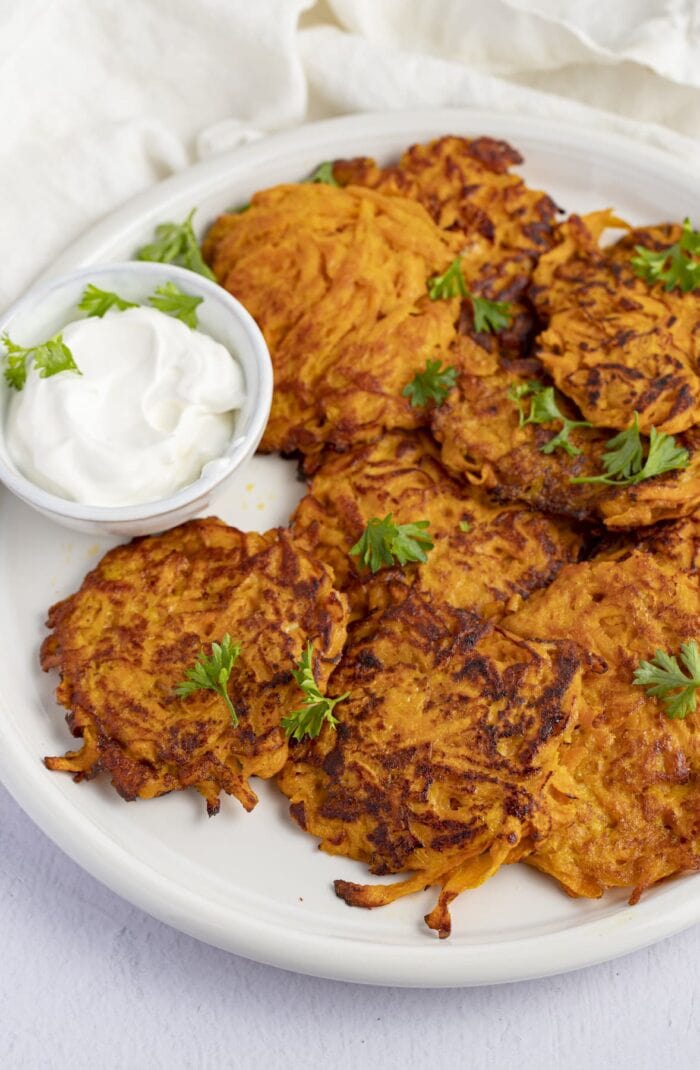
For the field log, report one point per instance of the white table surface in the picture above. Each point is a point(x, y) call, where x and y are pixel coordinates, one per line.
point(88, 981)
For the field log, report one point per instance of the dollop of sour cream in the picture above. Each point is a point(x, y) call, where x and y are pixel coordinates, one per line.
point(155, 402)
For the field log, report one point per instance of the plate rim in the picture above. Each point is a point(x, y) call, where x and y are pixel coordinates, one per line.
point(333, 956)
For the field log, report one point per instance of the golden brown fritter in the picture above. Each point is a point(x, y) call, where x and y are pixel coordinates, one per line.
point(635, 805)
point(613, 343)
point(483, 443)
point(467, 187)
point(676, 542)
point(337, 281)
point(441, 761)
point(507, 551)
point(126, 639)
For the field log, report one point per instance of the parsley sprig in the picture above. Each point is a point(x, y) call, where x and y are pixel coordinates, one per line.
point(432, 384)
point(316, 708)
point(677, 266)
point(624, 461)
point(383, 541)
point(664, 678)
point(168, 298)
point(49, 359)
point(489, 316)
point(96, 302)
point(175, 243)
point(324, 174)
point(543, 410)
point(211, 672)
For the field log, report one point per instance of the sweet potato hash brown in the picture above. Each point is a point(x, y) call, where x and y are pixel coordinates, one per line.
point(442, 758)
point(509, 406)
point(337, 282)
point(486, 556)
point(615, 344)
point(468, 188)
point(483, 442)
point(125, 640)
point(635, 803)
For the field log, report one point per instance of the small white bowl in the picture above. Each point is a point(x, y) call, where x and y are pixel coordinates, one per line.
point(46, 309)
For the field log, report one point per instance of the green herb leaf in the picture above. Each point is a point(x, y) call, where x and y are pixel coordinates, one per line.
point(317, 708)
point(383, 542)
point(450, 284)
point(211, 672)
point(464, 525)
point(15, 361)
point(175, 243)
point(544, 409)
point(490, 316)
point(324, 174)
point(432, 384)
point(517, 392)
point(676, 266)
point(170, 299)
point(561, 441)
point(49, 358)
point(96, 302)
point(53, 357)
point(624, 462)
point(664, 455)
point(662, 676)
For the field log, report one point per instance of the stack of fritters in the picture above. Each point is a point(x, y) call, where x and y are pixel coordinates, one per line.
point(492, 713)
point(483, 442)
point(126, 639)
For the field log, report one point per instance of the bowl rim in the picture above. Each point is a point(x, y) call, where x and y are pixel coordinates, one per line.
point(256, 406)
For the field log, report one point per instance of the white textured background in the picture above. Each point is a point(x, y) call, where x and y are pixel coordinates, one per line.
point(86, 980)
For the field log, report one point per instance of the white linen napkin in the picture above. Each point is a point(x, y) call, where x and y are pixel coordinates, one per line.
point(101, 98)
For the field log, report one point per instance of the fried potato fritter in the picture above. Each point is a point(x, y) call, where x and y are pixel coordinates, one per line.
point(126, 639)
point(468, 188)
point(337, 281)
point(482, 442)
point(506, 551)
point(613, 343)
point(635, 804)
point(444, 752)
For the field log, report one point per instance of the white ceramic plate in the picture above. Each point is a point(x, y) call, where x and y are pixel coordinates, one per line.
point(255, 884)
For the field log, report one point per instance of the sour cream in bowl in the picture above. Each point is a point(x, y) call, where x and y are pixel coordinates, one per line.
point(154, 389)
